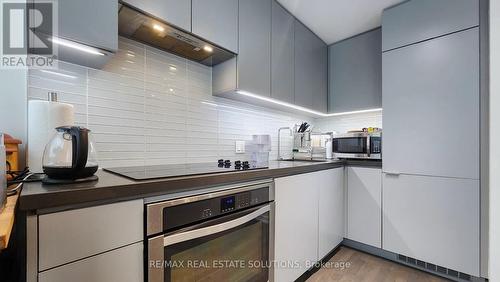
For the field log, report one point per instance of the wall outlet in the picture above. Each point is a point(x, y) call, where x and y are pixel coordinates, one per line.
point(239, 147)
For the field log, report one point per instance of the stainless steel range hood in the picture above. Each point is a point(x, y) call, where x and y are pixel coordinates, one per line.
point(142, 27)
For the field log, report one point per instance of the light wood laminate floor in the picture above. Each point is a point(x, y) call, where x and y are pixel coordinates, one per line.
point(365, 267)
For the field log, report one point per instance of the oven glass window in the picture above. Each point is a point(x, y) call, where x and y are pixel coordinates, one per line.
point(350, 145)
point(238, 254)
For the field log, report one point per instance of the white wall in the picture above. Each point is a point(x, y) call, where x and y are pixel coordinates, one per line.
point(342, 124)
point(13, 104)
point(148, 107)
point(494, 261)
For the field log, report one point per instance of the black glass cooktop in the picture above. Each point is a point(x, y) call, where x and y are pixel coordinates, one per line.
point(179, 170)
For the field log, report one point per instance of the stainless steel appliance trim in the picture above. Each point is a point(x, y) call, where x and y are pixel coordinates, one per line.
point(154, 212)
point(368, 141)
point(156, 259)
point(358, 156)
point(358, 134)
point(205, 231)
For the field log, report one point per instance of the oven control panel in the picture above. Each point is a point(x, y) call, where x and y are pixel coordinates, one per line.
point(181, 215)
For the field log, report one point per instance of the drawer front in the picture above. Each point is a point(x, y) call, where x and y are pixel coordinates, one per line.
point(76, 234)
point(123, 265)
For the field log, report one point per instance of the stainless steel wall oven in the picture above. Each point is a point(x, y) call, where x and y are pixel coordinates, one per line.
point(220, 236)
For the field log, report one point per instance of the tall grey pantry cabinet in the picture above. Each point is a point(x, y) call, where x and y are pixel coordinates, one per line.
point(431, 188)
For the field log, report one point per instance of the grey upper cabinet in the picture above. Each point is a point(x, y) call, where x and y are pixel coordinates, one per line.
point(217, 21)
point(254, 55)
point(355, 73)
point(418, 20)
point(282, 54)
point(100, 30)
point(431, 105)
point(278, 57)
point(311, 63)
point(75, 24)
point(176, 12)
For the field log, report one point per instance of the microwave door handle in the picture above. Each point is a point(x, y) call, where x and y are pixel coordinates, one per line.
point(209, 230)
point(368, 149)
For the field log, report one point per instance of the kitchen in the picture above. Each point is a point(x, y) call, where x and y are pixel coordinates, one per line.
point(250, 140)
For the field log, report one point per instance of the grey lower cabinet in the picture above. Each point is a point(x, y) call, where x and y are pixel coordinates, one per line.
point(311, 69)
point(433, 219)
point(418, 20)
point(355, 73)
point(431, 105)
point(309, 220)
point(124, 264)
point(175, 12)
point(100, 30)
point(364, 205)
point(282, 54)
point(100, 243)
point(216, 21)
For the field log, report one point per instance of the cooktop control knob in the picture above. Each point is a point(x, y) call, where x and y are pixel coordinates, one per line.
point(246, 165)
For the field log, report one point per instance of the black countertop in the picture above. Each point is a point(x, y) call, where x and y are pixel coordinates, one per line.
point(112, 188)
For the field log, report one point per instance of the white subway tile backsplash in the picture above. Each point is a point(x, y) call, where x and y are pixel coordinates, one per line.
point(148, 107)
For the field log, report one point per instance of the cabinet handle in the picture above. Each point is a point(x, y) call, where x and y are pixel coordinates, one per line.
point(391, 173)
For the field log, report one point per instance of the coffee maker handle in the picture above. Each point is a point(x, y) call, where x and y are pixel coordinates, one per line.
point(80, 144)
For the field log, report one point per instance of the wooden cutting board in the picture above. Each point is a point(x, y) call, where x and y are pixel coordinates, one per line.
point(7, 220)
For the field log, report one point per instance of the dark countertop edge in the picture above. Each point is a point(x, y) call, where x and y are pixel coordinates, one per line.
point(79, 198)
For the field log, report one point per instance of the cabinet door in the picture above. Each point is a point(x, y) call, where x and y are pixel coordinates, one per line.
point(282, 56)
point(124, 264)
point(434, 219)
point(364, 205)
point(296, 224)
point(217, 21)
point(355, 73)
point(320, 75)
point(75, 234)
point(415, 21)
point(176, 12)
point(74, 22)
point(310, 69)
point(331, 210)
point(431, 106)
point(254, 55)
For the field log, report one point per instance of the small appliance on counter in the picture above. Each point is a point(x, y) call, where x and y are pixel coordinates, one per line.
point(43, 117)
point(3, 173)
point(259, 149)
point(362, 144)
point(70, 156)
point(301, 143)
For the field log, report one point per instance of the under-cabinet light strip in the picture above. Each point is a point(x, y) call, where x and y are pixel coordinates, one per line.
point(303, 109)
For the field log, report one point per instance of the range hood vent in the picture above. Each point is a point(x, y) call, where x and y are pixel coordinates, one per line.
point(142, 27)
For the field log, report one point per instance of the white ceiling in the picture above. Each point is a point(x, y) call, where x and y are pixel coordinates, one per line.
point(334, 20)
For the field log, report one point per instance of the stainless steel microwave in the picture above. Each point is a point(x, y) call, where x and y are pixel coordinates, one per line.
point(358, 145)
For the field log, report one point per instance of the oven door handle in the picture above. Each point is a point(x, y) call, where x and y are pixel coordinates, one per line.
point(209, 230)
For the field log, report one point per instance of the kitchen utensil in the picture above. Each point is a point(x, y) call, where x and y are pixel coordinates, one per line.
point(70, 156)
